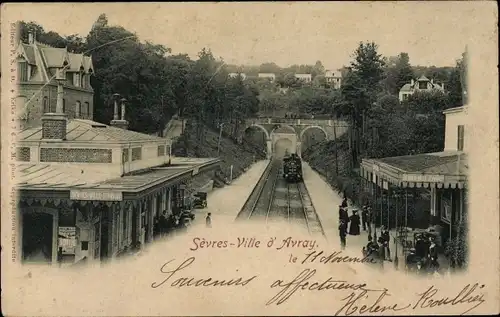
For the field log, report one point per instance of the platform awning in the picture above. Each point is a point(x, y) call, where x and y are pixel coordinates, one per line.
point(429, 170)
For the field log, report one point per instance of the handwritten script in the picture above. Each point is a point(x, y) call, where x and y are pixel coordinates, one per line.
point(360, 297)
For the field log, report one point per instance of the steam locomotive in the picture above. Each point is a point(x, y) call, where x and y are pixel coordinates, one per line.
point(292, 168)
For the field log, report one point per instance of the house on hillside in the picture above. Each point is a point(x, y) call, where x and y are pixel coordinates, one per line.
point(39, 68)
point(270, 76)
point(307, 78)
point(235, 75)
point(421, 84)
point(333, 78)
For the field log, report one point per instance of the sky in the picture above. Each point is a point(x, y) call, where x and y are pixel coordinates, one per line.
point(286, 33)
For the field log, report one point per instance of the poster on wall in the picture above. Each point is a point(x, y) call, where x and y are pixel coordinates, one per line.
point(67, 239)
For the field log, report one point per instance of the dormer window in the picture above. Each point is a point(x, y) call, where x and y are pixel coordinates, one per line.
point(422, 85)
point(22, 71)
point(77, 79)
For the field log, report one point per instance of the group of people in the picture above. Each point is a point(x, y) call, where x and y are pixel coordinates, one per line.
point(351, 224)
point(424, 256)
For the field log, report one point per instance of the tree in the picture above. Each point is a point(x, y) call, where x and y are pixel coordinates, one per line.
point(404, 72)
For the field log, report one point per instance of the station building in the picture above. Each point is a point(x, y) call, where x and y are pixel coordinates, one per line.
point(93, 190)
point(443, 175)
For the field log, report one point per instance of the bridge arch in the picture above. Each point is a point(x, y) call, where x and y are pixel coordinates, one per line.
point(284, 126)
point(313, 127)
point(260, 127)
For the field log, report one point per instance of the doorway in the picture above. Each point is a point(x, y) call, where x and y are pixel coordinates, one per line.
point(37, 237)
point(105, 219)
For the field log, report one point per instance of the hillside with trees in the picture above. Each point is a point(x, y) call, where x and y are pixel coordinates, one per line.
point(158, 85)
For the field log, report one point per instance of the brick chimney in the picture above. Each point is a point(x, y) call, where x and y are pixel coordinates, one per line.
point(31, 38)
point(119, 117)
point(54, 124)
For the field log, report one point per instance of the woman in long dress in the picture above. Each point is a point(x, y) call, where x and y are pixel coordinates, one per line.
point(355, 222)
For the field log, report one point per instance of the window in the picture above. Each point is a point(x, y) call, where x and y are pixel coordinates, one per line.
point(422, 85)
point(136, 154)
point(78, 113)
point(86, 110)
point(64, 106)
point(46, 107)
point(22, 71)
point(460, 139)
point(76, 79)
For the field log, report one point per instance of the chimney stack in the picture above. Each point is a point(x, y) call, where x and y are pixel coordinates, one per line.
point(412, 82)
point(119, 121)
point(31, 39)
point(54, 124)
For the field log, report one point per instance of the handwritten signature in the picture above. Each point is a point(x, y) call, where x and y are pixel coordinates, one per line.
point(361, 299)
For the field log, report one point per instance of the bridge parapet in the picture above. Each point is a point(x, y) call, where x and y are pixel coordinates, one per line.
point(324, 122)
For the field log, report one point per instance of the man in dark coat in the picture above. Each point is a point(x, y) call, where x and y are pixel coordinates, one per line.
point(343, 215)
point(354, 224)
point(342, 233)
point(386, 238)
point(364, 217)
point(344, 202)
point(433, 254)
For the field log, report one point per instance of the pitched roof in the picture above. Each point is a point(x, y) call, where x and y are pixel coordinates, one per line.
point(440, 162)
point(75, 62)
point(29, 53)
point(423, 78)
point(56, 176)
point(406, 87)
point(87, 130)
point(68, 176)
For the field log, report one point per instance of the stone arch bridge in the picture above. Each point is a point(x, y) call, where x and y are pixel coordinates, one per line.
point(295, 130)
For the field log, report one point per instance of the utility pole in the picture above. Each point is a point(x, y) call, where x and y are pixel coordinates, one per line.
point(221, 125)
point(336, 146)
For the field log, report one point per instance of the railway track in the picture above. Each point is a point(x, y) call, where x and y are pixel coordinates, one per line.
point(273, 199)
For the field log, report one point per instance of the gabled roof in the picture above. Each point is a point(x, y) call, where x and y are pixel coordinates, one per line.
point(79, 130)
point(46, 57)
point(55, 57)
point(27, 52)
point(423, 78)
point(75, 62)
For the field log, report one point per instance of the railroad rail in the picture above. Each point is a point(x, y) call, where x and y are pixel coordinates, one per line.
point(274, 199)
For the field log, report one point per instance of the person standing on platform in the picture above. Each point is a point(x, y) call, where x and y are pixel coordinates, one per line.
point(343, 215)
point(386, 238)
point(354, 226)
point(369, 219)
point(60, 256)
point(364, 217)
point(344, 202)
point(342, 234)
point(208, 220)
point(433, 255)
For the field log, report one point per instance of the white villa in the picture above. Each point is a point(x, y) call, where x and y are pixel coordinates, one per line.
point(421, 84)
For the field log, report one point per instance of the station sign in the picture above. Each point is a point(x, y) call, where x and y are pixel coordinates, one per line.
point(422, 178)
point(95, 195)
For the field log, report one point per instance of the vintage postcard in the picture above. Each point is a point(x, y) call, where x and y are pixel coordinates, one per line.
point(253, 158)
